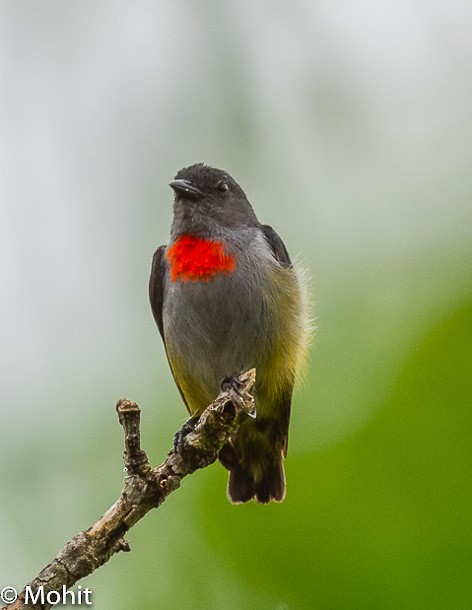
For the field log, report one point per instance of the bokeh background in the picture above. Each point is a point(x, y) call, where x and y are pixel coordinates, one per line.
point(349, 125)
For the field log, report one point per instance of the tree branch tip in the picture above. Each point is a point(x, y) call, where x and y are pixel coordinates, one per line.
point(124, 406)
point(249, 377)
point(246, 381)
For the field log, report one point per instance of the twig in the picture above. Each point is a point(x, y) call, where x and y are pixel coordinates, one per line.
point(145, 488)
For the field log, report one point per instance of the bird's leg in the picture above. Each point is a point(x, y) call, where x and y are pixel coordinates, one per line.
point(179, 436)
point(233, 383)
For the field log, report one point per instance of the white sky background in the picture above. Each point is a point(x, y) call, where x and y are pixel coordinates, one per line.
point(348, 124)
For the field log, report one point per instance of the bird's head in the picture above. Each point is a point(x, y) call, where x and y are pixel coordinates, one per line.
point(208, 200)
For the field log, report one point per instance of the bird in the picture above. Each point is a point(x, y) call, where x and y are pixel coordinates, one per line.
point(226, 297)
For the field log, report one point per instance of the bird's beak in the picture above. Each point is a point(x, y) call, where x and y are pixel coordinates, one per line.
point(186, 188)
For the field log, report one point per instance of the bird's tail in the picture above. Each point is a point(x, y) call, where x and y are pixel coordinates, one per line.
point(256, 478)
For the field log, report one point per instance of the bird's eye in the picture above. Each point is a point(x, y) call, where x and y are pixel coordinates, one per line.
point(222, 186)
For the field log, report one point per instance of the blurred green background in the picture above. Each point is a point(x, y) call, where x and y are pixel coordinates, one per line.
point(349, 126)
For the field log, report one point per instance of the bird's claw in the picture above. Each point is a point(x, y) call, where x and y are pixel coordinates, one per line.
point(232, 383)
point(179, 436)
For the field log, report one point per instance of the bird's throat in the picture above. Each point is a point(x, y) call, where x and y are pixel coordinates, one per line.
point(192, 259)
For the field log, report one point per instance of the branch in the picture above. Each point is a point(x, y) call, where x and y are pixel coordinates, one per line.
point(145, 488)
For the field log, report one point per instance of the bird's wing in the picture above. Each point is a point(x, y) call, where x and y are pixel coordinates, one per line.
point(156, 296)
point(285, 400)
point(277, 246)
point(156, 287)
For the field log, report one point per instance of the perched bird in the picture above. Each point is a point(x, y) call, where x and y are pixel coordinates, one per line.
point(226, 298)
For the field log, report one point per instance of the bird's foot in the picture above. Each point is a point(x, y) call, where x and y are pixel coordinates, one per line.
point(179, 436)
point(232, 383)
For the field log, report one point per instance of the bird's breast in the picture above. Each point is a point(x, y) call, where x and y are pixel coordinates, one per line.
point(226, 321)
point(194, 259)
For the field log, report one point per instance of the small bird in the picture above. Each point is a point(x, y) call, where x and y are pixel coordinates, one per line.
point(226, 298)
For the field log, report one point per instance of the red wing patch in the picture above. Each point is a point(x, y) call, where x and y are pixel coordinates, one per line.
point(192, 259)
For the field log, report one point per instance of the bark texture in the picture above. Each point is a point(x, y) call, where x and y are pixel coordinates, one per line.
point(145, 487)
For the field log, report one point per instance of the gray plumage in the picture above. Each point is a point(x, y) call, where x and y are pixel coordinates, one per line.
point(254, 316)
